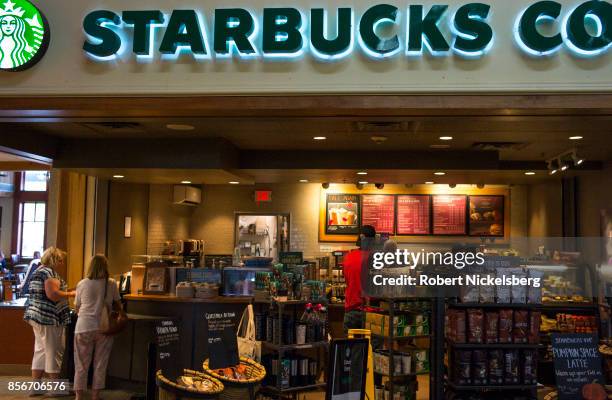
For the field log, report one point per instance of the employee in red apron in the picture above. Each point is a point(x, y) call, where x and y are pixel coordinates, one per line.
point(353, 265)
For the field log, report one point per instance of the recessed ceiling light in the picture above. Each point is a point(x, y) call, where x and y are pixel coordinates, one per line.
point(303, 180)
point(440, 173)
point(576, 137)
point(530, 173)
point(319, 138)
point(186, 182)
point(118, 176)
point(234, 183)
point(362, 173)
point(429, 183)
point(363, 182)
point(439, 146)
point(180, 127)
point(446, 138)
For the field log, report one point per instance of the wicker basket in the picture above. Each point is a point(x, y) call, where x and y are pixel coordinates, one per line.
point(240, 389)
point(169, 390)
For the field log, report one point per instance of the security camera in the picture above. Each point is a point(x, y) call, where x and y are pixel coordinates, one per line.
point(380, 186)
point(480, 186)
point(359, 186)
point(325, 185)
point(452, 185)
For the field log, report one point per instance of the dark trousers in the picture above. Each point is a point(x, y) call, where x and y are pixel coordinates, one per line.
point(354, 319)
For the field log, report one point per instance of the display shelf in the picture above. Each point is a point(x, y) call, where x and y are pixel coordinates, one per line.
point(277, 351)
point(293, 389)
point(398, 376)
point(568, 307)
point(495, 305)
point(383, 337)
point(289, 347)
point(496, 346)
point(490, 387)
point(401, 299)
point(400, 312)
point(425, 307)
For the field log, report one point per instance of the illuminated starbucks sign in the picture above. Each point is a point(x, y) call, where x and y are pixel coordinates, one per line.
point(24, 35)
point(380, 31)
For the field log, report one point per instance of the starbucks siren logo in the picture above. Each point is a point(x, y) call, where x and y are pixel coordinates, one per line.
point(24, 35)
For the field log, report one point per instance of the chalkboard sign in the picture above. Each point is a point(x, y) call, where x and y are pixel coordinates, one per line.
point(291, 257)
point(577, 363)
point(221, 341)
point(348, 361)
point(168, 336)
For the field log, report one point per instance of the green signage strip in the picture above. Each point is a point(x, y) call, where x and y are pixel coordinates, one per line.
point(290, 33)
point(24, 35)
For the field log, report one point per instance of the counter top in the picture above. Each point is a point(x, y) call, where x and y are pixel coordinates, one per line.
point(174, 299)
point(14, 304)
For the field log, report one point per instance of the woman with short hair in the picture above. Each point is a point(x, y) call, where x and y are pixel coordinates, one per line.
point(92, 294)
point(48, 313)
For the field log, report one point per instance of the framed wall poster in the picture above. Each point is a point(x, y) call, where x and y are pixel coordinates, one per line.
point(378, 210)
point(413, 215)
point(449, 215)
point(156, 278)
point(342, 214)
point(487, 216)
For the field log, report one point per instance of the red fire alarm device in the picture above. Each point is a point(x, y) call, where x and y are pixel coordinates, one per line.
point(263, 196)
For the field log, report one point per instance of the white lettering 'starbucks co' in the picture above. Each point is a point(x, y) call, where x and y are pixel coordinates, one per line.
point(24, 35)
point(174, 47)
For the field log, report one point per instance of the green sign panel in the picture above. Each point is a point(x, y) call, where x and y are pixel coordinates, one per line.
point(24, 35)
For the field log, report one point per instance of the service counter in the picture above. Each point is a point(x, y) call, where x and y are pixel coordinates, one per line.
point(129, 356)
point(17, 338)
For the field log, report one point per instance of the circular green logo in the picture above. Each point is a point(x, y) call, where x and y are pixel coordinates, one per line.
point(24, 35)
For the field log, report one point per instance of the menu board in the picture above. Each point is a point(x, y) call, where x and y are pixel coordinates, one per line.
point(168, 348)
point(378, 210)
point(342, 212)
point(413, 215)
point(449, 215)
point(221, 339)
point(486, 215)
point(577, 363)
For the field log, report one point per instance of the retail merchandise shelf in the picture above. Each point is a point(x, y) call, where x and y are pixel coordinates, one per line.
point(568, 307)
point(398, 376)
point(401, 299)
point(383, 337)
point(288, 347)
point(497, 346)
point(294, 389)
point(495, 305)
point(400, 312)
point(490, 387)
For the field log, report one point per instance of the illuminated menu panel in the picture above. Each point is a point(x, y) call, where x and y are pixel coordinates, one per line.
point(449, 215)
point(413, 215)
point(486, 215)
point(379, 211)
point(342, 212)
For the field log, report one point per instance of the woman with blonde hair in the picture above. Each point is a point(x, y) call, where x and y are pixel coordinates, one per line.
point(93, 294)
point(48, 313)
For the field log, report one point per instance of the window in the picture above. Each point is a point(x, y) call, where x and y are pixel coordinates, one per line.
point(31, 228)
point(29, 214)
point(34, 181)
